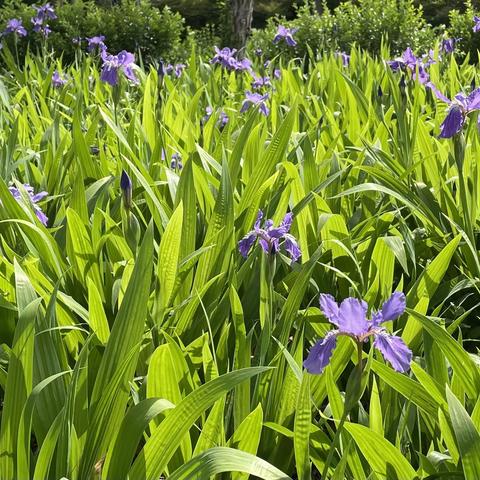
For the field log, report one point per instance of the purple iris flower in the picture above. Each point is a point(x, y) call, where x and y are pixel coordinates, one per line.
point(179, 68)
point(448, 45)
point(284, 33)
point(258, 52)
point(350, 318)
point(222, 121)
point(208, 114)
point(429, 58)
point(34, 199)
point(176, 162)
point(126, 187)
point(57, 80)
point(46, 12)
point(40, 27)
point(176, 69)
point(459, 109)
point(345, 58)
point(255, 99)
point(476, 27)
point(260, 82)
point(226, 57)
point(113, 63)
point(15, 26)
point(96, 42)
point(409, 61)
point(269, 237)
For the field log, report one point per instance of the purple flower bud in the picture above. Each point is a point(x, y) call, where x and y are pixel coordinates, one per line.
point(126, 187)
point(176, 162)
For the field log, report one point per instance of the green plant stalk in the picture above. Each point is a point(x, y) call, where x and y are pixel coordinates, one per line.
point(347, 408)
point(266, 304)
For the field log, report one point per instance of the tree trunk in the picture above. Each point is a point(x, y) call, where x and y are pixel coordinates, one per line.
point(241, 12)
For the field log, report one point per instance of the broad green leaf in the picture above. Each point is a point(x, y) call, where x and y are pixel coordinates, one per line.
point(160, 447)
point(222, 459)
point(384, 459)
point(468, 438)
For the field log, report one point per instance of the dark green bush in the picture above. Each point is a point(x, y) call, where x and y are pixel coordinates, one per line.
point(368, 22)
point(131, 25)
point(461, 27)
point(364, 24)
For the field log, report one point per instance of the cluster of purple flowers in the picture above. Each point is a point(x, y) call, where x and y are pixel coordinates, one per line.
point(168, 69)
point(44, 13)
point(34, 199)
point(269, 238)
point(112, 64)
point(222, 120)
point(226, 57)
point(417, 66)
point(260, 82)
point(350, 318)
point(286, 34)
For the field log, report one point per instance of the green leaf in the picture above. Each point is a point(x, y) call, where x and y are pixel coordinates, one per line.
point(459, 359)
point(222, 459)
point(160, 447)
point(384, 459)
point(467, 436)
point(301, 439)
point(121, 453)
point(20, 372)
point(169, 256)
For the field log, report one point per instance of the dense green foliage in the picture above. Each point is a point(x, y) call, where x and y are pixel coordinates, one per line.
point(166, 29)
point(130, 24)
point(366, 24)
point(142, 343)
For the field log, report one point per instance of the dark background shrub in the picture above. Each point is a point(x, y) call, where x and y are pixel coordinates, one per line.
point(364, 23)
point(131, 24)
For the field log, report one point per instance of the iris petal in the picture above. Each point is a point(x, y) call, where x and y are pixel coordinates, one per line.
point(394, 350)
point(329, 308)
point(352, 317)
point(394, 307)
point(245, 244)
point(292, 247)
point(453, 122)
point(320, 354)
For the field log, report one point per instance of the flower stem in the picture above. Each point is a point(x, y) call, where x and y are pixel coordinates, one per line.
point(352, 395)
